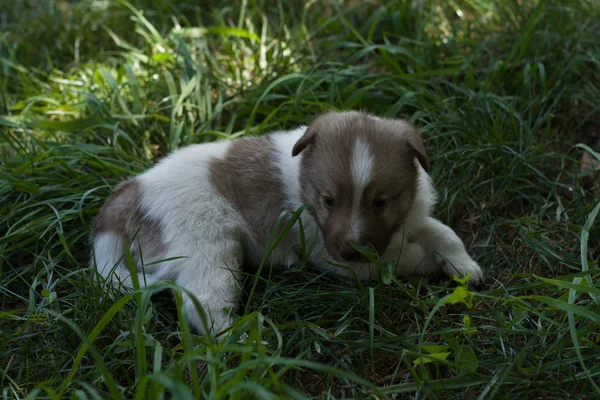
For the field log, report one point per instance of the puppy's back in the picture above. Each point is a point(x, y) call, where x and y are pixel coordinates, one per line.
point(232, 188)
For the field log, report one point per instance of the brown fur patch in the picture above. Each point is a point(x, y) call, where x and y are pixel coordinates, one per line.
point(328, 147)
point(122, 214)
point(246, 178)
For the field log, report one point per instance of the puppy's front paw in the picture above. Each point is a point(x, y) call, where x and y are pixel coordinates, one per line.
point(461, 264)
point(414, 250)
point(412, 259)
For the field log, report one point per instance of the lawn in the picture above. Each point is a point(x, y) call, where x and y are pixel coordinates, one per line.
point(506, 95)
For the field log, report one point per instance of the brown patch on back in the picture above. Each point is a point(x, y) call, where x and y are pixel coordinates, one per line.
point(248, 179)
point(328, 147)
point(122, 214)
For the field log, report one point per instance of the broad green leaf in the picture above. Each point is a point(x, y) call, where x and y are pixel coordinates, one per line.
point(432, 358)
point(466, 359)
point(434, 348)
point(460, 295)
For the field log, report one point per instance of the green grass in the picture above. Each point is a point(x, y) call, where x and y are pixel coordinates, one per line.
point(92, 92)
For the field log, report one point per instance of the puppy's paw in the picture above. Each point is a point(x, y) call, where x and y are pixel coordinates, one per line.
point(461, 264)
point(412, 259)
point(414, 250)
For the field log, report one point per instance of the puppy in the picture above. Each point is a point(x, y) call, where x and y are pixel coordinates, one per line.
point(213, 206)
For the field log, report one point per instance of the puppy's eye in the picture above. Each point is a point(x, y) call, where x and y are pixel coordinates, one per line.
point(379, 204)
point(328, 202)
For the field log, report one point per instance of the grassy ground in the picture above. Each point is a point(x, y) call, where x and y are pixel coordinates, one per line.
point(92, 92)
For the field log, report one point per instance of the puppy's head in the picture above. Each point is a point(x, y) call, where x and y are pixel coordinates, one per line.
point(358, 173)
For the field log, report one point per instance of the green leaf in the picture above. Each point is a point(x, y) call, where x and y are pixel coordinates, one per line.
point(387, 272)
point(163, 57)
point(518, 315)
point(467, 320)
point(466, 359)
point(464, 281)
point(367, 251)
point(434, 348)
point(460, 295)
point(432, 358)
point(215, 30)
point(500, 318)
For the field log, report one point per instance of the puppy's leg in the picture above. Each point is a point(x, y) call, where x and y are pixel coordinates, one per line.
point(109, 260)
point(410, 257)
point(449, 251)
point(211, 275)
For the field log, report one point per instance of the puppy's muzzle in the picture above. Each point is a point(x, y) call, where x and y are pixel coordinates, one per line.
point(349, 253)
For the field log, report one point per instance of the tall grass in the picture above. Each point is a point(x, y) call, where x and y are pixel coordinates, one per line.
point(92, 92)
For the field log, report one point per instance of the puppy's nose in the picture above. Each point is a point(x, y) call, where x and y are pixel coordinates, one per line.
point(350, 254)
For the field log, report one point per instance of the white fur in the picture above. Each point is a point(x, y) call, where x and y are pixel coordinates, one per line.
point(109, 257)
point(361, 168)
point(288, 169)
point(289, 166)
point(197, 223)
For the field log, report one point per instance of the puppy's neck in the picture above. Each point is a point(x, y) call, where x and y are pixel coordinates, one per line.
point(288, 166)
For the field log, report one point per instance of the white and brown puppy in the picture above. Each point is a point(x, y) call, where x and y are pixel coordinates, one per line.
point(215, 205)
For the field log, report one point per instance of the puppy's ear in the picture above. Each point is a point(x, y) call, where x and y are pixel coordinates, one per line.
point(304, 141)
point(418, 145)
point(410, 133)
